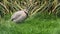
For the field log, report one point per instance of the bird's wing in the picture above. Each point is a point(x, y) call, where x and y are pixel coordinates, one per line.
point(21, 18)
point(15, 16)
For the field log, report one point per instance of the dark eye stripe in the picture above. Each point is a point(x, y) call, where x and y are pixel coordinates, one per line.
point(26, 13)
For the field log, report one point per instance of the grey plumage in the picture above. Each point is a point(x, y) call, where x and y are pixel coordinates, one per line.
point(19, 16)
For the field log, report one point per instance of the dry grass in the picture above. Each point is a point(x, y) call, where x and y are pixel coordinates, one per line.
point(10, 6)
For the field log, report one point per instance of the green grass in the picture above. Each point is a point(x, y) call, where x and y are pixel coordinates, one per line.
point(38, 24)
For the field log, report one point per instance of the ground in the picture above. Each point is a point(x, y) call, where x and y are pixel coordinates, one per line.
point(38, 24)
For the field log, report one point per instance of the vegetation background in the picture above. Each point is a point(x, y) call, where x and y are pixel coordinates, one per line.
point(44, 17)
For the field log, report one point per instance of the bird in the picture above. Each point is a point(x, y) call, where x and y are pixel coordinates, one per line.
point(19, 16)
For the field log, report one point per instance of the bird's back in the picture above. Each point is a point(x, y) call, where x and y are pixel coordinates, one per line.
point(19, 16)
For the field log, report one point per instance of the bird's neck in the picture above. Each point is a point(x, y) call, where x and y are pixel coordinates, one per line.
point(26, 13)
